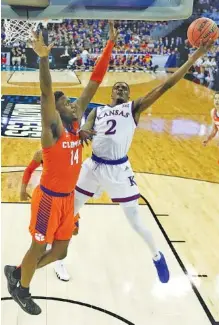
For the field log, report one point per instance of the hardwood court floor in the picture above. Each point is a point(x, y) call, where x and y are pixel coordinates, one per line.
point(168, 141)
point(175, 173)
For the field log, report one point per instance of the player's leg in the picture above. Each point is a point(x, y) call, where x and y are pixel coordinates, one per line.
point(59, 265)
point(58, 251)
point(69, 227)
point(87, 185)
point(19, 278)
point(126, 193)
point(45, 221)
point(86, 188)
point(63, 232)
point(131, 210)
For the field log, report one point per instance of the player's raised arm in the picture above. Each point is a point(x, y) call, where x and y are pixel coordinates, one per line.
point(143, 103)
point(98, 73)
point(50, 117)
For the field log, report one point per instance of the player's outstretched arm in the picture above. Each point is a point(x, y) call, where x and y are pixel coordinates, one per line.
point(98, 73)
point(211, 135)
point(51, 121)
point(35, 162)
point(143, 103)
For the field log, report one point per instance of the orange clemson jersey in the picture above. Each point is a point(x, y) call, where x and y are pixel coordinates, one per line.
point(62, 162)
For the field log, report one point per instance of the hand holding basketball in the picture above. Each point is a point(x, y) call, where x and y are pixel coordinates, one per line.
point(39, 46)
point(202, 49)
point(202, 30)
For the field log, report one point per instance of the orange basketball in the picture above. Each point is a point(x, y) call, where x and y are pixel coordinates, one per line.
point(202, 28)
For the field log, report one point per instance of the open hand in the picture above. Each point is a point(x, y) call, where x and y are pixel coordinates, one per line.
point(39, 46)
point(113, 33)
point(24, 196)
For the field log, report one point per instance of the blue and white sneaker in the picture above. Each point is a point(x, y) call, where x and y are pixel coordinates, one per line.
point(162, 269)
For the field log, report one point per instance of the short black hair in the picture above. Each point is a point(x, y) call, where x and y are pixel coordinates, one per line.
point(122, 82)
point(58, 94)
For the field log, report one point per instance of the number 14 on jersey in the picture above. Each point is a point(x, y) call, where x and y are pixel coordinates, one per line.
point(74, 157)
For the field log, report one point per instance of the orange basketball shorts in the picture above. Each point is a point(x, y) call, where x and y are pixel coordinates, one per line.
point(52, 217)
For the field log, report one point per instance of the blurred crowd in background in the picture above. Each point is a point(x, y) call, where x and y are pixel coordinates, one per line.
point(83, 40)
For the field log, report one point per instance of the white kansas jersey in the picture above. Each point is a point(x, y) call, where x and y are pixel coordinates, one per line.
point(115, 127)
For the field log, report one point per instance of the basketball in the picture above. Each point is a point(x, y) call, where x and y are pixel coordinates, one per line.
point(202, 28)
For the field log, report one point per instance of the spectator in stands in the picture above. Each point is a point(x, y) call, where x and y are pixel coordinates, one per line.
point(77, 63)
point(3, 59)
point(23, 57)
point(85, 56)
point(16, 56)
point(210, 70)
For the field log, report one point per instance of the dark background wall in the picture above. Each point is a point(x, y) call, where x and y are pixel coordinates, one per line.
point(32, 58)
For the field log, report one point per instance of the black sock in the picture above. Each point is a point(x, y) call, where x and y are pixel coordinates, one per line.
point(17, 273)
point(23, 292)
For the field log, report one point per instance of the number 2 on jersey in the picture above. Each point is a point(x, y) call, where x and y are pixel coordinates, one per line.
point(74, 157)
point(112, 129)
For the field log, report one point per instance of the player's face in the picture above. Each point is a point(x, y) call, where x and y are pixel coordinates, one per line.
point(216, 101)
point(67, 110)
point(120, 93)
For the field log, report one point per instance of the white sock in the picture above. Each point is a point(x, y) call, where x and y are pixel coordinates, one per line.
point(132, 214)
point(58, 263)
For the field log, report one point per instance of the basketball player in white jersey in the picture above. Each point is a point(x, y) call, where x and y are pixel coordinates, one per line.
point(215, 119)
point(109, 167)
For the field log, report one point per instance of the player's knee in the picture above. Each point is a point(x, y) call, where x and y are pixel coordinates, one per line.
point(37, 249)
point(130, 208)
point(132, 215)
point(61, 255)
point(59, 252)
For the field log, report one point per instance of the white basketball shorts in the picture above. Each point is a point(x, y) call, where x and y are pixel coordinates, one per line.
point(117, 180)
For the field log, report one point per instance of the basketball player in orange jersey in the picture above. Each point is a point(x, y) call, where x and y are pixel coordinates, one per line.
point(215, 119)
point(37, 160)
point(109, 167)
point(52, 204)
